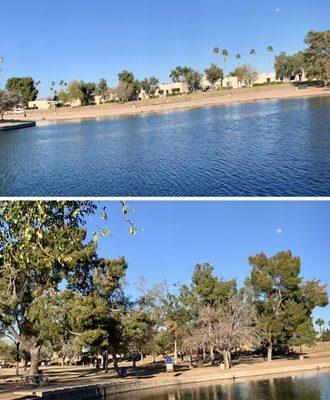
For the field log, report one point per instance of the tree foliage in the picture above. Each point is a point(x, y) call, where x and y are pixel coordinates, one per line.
point(246, 74)
point(317, 55)
point(214, 74)
point(287, 67)
point(150, 85)
point(284, 301)
point(23, 88)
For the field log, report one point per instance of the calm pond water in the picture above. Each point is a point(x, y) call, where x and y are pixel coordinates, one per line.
point(308, 386)
point(268, 148)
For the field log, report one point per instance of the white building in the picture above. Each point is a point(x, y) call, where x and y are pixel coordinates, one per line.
point(42, 104)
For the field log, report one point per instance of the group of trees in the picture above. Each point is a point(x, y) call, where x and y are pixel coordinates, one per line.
point(17, 91)
point(314, 61)
point(128, 88)
point(58, 295)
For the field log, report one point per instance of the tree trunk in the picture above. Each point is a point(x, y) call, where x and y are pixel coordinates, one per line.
point(204, 353)
point(229, 358)
point(212, 353)
point(115, 363)
point(106, 361)
point(269, 352)
point(175, 350)
point(141, 355)
point(225, 359)
point(190, 361)
point(134, 362)
point(17, 359)
point(35, 356)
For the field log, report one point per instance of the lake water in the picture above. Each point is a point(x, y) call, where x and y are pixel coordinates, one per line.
point(307, 386)
point(268, 148)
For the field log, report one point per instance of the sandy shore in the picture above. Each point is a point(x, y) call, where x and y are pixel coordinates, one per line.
point(171, 103)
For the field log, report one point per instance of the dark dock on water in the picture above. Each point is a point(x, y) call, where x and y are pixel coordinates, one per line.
point(7, 125)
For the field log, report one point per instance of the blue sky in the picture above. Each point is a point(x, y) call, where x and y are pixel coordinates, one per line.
point(176, 235)
point(80, 39)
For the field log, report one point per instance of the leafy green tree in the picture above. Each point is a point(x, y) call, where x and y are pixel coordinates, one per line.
point(150, 85)
point(284, 302)
point(320, 322)
point(41, 244)
point(214, 74)
point(179, 74)
point(88, 91)
point(7, 351)
point(138, 332)
point(23, 88)
point(287, 67)
point(74, 91)
point(102, 89)
point(208, 287)
point(128, 87)
point(193, 79)
point(64, 96)
point(126, 76)
point(317, 55)
point(93, 310)
point(79, 90)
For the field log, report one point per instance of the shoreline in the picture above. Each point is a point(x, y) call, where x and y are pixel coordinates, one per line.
point(186, 102)
point(95, 390)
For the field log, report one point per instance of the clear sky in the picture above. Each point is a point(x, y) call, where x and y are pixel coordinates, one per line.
point(83, 39)
point(177, 235)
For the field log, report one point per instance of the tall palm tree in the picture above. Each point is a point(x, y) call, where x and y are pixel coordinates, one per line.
point(270, 50)
point(320, 322)
point(225, 55)
point(238, 56)
point(252, 53)
point(216, 52)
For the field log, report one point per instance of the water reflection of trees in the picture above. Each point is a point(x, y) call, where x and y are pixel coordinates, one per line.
point(272, 388)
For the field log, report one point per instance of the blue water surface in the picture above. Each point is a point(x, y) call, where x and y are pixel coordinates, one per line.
point(266, 148)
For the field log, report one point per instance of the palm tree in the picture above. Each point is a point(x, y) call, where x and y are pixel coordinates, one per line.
point(216, 52)
point(270, 50)
point(238, 57)
point(225, 55)
point(320, 322)
point(252, 53)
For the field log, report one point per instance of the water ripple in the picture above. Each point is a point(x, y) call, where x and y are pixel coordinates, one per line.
point(268, 148)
